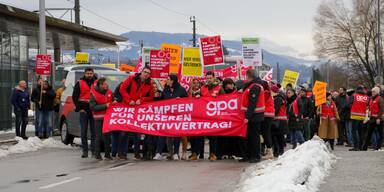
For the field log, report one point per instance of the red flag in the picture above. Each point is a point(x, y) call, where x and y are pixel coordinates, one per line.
point(139, 67)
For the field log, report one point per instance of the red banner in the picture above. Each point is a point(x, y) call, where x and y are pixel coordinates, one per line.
point(43, 64)
point(211, 50)
point(159, 63)
point(220, 116)
point(139, 67)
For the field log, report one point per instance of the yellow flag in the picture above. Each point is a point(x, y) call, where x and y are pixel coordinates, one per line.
point(320, 92)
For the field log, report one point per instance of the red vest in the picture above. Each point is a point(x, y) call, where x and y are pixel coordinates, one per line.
point(374, 106)
point(269, 105)
point(328, 111)
point(295, 107)
point(100, 100)
point(260, 105)
point(282, 114)
point(359, 107)
point(85, 91)
point(205, 92)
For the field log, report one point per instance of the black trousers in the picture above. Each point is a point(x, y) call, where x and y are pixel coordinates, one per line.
point(21, 119)
point(277, 132)
point(371, 128)
point(250, 146)
point(266, 131)
point(342, 132)
point(358, 134)
point(102, 138)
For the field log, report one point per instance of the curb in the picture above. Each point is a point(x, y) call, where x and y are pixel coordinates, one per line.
point(8, 141)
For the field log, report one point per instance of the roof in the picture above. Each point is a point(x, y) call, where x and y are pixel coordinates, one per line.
point(25, 15)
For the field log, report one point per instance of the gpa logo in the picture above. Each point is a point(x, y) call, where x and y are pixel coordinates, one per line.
point(219, 107)
point(361, 98)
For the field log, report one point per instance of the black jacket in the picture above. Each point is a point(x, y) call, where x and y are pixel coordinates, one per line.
point(253, 97)
point(278, 101)
point(80, 105)
point(343, 107)
point(47, 100)
point(178, 91)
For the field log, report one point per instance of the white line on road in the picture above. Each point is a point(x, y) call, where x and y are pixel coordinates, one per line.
point(59, 183)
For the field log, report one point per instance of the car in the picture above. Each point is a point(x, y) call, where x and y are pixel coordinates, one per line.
point(69, 119)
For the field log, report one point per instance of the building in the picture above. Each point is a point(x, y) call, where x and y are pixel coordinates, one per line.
point(19, 32)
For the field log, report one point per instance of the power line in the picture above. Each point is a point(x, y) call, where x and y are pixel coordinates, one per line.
point(168, 9)
point(105, 18)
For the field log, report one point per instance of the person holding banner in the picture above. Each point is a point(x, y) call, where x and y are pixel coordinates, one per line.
point(211, 88)
point(80, 96)
point(135, 90)
point(253, 105)
point(172, 89)
point(196, 142)
point(101, 98)
point(328, 121)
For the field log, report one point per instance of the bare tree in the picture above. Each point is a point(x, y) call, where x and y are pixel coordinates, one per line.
point(349, 35)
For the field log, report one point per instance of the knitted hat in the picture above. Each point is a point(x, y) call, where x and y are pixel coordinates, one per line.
point(275, 89)
point(376, 89)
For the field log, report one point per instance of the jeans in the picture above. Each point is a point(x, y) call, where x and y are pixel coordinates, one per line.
point(36, 123)
point(86, 121)
point(45, 123)
point(102, 138)
point(297, 136)
point(307, 129)
point(21, 119)
point(341, 126)
point(173, 145)
point(357, 133)
point(348, 127)
point(116, 138)
point(122, 144)
point(196, 143)
point(136, 143)
point(371, 129)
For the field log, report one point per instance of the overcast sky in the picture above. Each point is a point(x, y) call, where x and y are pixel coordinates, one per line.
point(286, 22)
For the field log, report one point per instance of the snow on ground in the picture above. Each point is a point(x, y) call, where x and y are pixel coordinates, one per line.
point(298, 170)
point(32, 144)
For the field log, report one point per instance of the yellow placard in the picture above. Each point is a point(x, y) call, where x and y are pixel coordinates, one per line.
point(175, 55)
point(290, 77)
point(82, 57)
point(191, 62)
point(320, 92)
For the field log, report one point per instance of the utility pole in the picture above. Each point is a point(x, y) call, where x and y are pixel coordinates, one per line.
point(42, 28)
point(77, 12)
point(193, 20)
point(379, 51)
point(141, 42)
point(278, 72)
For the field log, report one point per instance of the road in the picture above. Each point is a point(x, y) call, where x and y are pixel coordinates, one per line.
point(356, 172)
point(63, 170)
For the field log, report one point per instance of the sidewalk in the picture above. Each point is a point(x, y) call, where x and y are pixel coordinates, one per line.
point(10, 134)
point(355, 171)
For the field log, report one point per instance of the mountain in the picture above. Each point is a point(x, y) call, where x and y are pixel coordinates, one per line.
point(130, 50)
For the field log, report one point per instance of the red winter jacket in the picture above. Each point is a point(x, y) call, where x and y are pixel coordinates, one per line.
point(132, 89)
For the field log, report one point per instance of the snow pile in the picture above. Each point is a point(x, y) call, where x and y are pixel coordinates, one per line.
point(32, 144)
point(29, 128)
point(298, 170)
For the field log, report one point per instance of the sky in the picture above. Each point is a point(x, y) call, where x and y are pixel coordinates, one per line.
point(285, 22)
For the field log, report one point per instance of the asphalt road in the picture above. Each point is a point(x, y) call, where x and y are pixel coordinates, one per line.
point(63, 170)
point(360, 171)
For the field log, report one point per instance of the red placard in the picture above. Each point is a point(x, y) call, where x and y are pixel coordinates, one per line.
point(43, 64)
point(206, 116)
point(159, 63)
point(211, 50)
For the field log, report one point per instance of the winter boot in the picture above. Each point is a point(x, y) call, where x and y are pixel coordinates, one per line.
point(212, 157)
point(184, 156)
point(193, 157)
point(268, 154)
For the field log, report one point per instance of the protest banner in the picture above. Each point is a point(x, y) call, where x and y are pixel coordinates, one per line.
point(268, 76)
point(43, 64)
point(175, 54)
point(251, 50)
point(82, 57)
point(290, 77)
point(320, 92)
point(219, 116)
point(159, 64)
point(139, 66)
point(211, 50)
point(191, 66)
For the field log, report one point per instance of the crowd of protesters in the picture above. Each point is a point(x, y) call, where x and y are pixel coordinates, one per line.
point(275, 116)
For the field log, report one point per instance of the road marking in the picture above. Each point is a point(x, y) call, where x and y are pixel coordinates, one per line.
point(118, 166)
point(59, 183)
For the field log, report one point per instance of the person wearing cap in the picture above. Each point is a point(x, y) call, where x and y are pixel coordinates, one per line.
point(279, 124)
point(376, 108)
point(358, 103)
point(328, 121)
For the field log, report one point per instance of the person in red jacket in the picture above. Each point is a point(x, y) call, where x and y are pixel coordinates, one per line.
point(269, 114)
point(376, 107)
point(211, 88)
point(328, 121)
point(359, 103)
point(135, 90)
point(101, 98)
point(280, 121)
point(80, 96)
